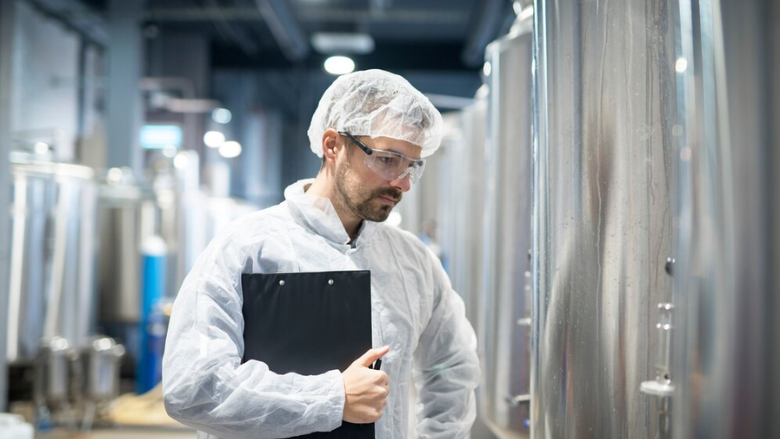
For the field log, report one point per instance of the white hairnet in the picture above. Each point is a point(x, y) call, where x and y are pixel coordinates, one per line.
point(376, 103)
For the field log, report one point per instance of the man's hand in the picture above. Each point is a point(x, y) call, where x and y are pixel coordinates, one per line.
point(365, 389)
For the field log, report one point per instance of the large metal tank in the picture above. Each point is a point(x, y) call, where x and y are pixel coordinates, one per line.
point(51, 288)
point(726, 336)
point(466, 205)
point(605, 97)
point(504, 325)
point(453, 189)
point(126, 215)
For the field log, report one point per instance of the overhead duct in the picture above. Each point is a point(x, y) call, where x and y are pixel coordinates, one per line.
point(82, 18)
point(284, 28)
point(487, 28)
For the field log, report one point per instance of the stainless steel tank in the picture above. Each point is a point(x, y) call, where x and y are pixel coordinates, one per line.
point(468, 183)
point(204, 217)
point(126, 215)
point(504, 325)
point(726, 336)
point(53, 370)
point(458, 182)
point(102, 358)
point(51, 288)
point(453, 188)
point(606, 100)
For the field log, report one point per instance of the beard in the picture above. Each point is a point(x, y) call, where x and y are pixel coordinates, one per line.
point(362, 202)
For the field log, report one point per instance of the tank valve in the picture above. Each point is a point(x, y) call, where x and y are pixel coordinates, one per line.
point(515, 401)
point(662, 387)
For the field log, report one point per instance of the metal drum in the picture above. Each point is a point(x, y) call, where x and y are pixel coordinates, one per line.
point(52, 256)
point(606, 100)
point(504, 322)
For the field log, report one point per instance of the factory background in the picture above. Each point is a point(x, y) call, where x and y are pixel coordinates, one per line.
point(605, 198)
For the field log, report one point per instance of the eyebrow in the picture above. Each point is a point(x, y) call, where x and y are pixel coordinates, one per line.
point(354, 137)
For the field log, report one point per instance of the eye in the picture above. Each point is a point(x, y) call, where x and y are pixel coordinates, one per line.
point(389, 161)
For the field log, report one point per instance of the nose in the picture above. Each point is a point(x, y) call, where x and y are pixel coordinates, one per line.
point(403, 184)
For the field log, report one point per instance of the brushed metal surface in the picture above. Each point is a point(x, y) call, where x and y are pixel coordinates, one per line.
point(51, 290)
point(605, 97)
point(126, 216)
point(506, 294)
point(726, 365)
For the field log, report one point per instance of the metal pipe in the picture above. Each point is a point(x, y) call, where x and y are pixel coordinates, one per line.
point(284, 28)
point(125, 106)
point(7, 31)
point(486, 29)
point(77, 16)
point(308, 14)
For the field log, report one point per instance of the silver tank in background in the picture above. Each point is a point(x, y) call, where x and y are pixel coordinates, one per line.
point(605, 96)
point(127, 214)
point(51, 288)
point(726, 336)
point(460, 224)
point(505, 302)
point(454, 190)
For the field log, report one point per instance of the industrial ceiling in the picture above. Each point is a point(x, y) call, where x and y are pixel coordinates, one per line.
point(434, 35)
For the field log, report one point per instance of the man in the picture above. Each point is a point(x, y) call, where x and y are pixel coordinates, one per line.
point(372, 130)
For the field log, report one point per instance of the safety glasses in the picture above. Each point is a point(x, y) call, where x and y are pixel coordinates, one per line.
point(390, 165)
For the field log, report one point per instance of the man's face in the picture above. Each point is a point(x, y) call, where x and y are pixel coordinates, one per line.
point(367, 195)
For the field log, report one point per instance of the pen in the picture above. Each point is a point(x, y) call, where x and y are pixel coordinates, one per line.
point(378, 364)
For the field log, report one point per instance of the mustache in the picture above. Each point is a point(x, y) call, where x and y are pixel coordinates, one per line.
point(389, 193)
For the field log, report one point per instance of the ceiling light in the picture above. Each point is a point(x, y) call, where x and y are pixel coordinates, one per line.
point(339, 65)
point(169, 151)
point(181, 161)
point(331, 42)
point(41, 148)
point(681, 65)
point(213, 139)
point(221, 115)
point(114, 175)
point(230, 149)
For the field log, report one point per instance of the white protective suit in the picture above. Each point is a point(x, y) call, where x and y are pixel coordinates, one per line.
point(414, 311)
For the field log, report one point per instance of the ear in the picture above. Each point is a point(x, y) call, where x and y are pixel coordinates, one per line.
point(330, 144)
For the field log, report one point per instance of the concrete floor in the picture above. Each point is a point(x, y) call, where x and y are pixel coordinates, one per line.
point(123, 433)
point(479, 432)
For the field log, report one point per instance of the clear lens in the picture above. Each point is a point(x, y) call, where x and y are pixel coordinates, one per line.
point(392, 165)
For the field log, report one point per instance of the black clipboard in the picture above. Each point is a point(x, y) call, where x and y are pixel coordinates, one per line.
point(309, 323)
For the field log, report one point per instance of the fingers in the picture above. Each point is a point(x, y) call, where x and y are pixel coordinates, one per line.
point(372, 355)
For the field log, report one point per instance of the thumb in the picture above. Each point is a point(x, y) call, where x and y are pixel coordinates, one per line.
point(372, 355)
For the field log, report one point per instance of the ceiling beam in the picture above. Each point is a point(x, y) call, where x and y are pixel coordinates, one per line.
point(329, 15)
point(491, 16)
point(77, 16)
point(441, 56)
point(284, 28)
